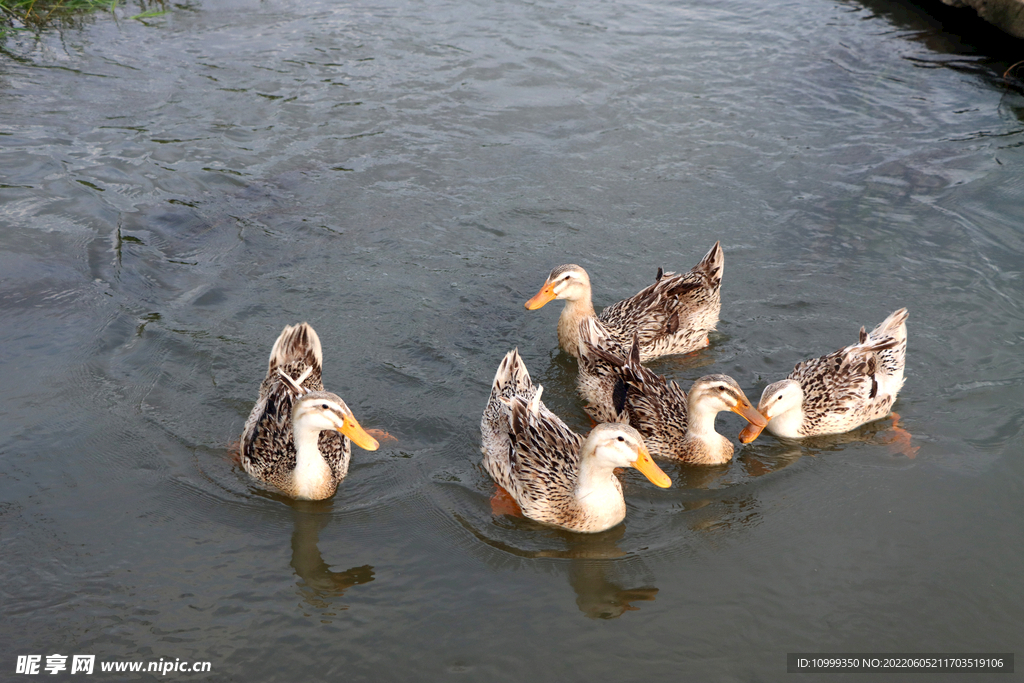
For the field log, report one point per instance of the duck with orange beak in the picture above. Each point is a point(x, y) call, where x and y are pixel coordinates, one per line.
point(840, 391)
point(675, 425)
point(674, 315)
point(297, 437)
point(556, 476)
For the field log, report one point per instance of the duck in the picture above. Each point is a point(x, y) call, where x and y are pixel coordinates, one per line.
point(674, 315)
point(839, 391)
point(556, 476)
point(297, 436)
point(674, 424)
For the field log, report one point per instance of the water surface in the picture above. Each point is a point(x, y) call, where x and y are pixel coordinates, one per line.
point(403, 176)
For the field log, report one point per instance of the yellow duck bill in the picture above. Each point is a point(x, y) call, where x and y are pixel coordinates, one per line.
point(358, 435)
point(546, 294)
point(649, 469)
point(751, 432)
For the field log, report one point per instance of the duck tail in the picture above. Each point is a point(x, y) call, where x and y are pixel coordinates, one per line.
point(713, 264)
point(884, 353)
point(512, 377)
point(297, 343)
point(894, 327)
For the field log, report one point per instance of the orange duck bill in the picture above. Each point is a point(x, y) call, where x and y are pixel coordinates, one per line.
point(358, 435)
point(649, 469)
point(757, 422)
point(546, 294)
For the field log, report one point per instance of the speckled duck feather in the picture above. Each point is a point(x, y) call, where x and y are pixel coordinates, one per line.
point(268, 444)
point(600, 368)
point(619, 389)
point(856, 384)
point(675, 314)
point(529, 451)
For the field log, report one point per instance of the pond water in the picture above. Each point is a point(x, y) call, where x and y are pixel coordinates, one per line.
point(403, 175)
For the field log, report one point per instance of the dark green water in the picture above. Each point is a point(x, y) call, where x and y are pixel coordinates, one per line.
point(403, 175)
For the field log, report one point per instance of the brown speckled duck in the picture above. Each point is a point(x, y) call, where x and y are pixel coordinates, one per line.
point(675, 425)
point(295, 437)
point(840, 391)
point(556, 476)
point(674, 315)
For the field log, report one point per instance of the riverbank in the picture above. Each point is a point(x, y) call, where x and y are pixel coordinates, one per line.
point(1006, 15)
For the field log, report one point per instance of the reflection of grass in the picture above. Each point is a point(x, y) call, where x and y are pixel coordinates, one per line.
point(39, 14)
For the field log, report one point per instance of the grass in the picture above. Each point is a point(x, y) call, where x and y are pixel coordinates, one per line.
point(36, 15)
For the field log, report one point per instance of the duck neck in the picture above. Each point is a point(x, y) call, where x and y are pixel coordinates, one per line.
point(599, 493)
point(788, 423)
point(714, 447)
point(311, 473)
point(569, 322)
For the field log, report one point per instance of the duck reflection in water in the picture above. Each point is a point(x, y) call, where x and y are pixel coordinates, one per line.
point(600, 583)
point(597, 568)
point(319, 586)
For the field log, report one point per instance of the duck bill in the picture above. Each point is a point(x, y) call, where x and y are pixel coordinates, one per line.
point(757, 422)
point(750, 414)
point(358, 435)
point(750, 432)
point(546, 294)
point(650, 470)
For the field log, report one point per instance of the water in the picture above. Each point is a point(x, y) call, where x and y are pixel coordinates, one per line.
point(403, 176)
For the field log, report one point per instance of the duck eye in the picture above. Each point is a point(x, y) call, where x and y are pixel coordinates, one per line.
point(621, 439)
point(566, 277)
point(324, 406)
